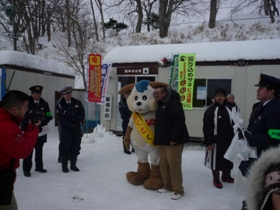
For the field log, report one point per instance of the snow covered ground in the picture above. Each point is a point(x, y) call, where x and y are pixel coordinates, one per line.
point(101, 183)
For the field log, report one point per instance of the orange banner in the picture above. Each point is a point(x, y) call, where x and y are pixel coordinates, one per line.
point(94, 78)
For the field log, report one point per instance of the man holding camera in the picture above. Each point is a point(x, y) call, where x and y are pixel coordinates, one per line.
point(39, 108)
point(14, 143)
point(71, 115)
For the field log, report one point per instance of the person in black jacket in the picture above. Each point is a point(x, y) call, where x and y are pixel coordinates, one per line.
point(71, 115)
point(125, 115)
point(170, 134)
point(37, 103)
point(218, 134)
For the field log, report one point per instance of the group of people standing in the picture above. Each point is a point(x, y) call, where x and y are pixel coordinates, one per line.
point(171, 133)
point(23, 128)
point(262, 133)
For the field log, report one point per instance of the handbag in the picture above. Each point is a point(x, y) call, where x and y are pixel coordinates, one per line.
point(7, 178)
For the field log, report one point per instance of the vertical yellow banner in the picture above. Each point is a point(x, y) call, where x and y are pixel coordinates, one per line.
point(186, 76)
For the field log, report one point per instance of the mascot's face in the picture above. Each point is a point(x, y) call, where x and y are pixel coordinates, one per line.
point(142, 99)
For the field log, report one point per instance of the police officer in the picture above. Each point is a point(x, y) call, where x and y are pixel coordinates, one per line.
point(265, 128)
point(71, 114)
point(37, 103)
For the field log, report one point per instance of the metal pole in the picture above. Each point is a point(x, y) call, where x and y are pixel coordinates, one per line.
point(14, 28)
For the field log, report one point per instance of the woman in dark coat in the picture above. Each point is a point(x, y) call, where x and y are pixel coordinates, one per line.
point(218, 134)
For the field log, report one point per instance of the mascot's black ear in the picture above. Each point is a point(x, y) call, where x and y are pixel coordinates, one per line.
point(156, 84)
point(126, 88)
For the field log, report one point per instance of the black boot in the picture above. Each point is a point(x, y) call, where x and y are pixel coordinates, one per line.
point(64, 164)
point(73, 163)
point(125, 150)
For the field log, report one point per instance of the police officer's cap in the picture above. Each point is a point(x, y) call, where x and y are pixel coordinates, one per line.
point(65, 90)
point(268, 81)
point(36, 89)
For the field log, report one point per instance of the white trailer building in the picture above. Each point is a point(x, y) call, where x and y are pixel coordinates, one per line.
point(19, 71)
point(236, 66)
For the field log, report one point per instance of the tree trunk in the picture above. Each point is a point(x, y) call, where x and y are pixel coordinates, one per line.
point(165, 12)
point(68, 22)
point(270, 12)
point(140, 16)
point(275, 9)
point(94, 21)
point(99, 5)
point(213, 14)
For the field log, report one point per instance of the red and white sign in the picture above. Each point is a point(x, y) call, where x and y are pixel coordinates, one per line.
point(94, 78)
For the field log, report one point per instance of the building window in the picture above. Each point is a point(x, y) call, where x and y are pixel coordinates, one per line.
point(204, 90)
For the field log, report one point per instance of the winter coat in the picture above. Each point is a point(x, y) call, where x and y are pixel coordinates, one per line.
point(218, 130)
point(170, 120)
point(125, 114)
point(14, 143)
point(257, 195)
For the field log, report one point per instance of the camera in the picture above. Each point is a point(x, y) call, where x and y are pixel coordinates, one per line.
point(35, 116)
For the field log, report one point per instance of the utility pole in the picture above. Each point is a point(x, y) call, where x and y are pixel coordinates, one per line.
point(14, 25)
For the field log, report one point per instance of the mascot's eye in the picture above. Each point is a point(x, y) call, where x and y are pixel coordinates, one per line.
point(136, 98)
point(144, 98)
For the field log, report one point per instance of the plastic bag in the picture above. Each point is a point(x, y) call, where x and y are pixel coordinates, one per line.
point(239, 150)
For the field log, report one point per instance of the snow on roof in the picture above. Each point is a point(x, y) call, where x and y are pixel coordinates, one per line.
point(207, 51)
point(20, 59)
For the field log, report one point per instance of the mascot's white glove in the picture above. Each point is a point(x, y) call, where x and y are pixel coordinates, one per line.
point(127, 138)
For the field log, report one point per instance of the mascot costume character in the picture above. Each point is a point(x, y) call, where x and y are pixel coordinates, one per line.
point(140, 134)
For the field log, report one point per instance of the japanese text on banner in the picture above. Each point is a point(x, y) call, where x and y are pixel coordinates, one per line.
point(106, 69)
point(94, 77)
point(186, 78)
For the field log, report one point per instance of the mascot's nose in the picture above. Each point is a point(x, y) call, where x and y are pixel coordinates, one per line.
point(138, 103)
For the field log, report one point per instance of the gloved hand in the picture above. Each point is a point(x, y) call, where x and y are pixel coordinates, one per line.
point(76, 127)
point(243, 134)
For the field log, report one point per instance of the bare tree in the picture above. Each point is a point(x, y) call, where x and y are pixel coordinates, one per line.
point(128, 8)
point(267, 7)
point(167, 7)
point(147, 7)
point(76, 55)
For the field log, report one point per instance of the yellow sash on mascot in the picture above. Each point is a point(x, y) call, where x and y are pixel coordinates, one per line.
point(143, 128)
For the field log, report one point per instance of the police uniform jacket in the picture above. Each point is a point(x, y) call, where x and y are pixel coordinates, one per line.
point(70, 115)
point(170, 120)
point(43, 107)
point(265, 132)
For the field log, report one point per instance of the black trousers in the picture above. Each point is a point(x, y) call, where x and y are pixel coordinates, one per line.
point(27, 162)
point(70, 142)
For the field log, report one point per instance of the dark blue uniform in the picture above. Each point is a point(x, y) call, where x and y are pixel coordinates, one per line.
point(71, 117)
point(266, 122)
point(42, 106)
